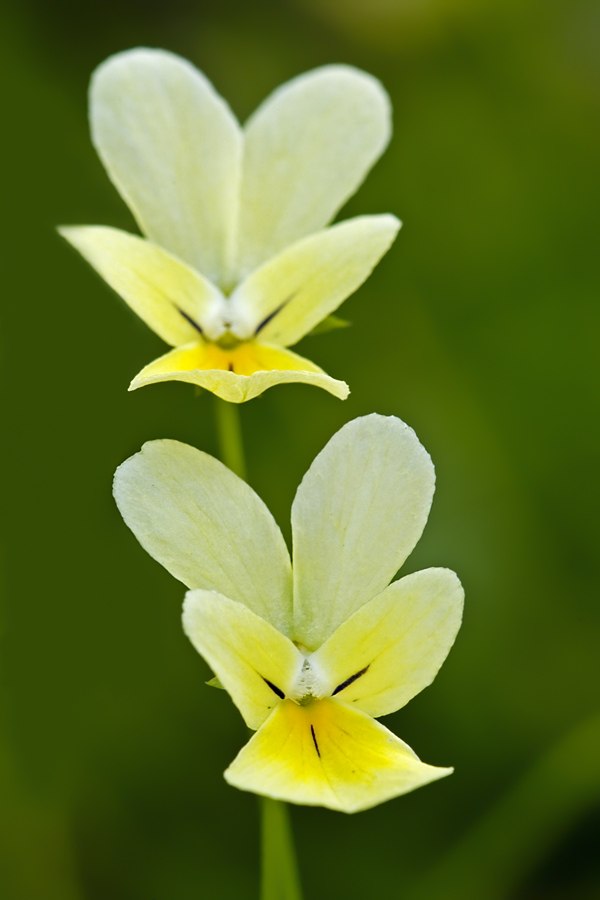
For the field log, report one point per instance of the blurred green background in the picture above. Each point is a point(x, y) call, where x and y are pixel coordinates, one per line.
point(479, 328)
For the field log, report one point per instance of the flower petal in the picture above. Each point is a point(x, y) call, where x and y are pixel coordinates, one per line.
point(287, 296)
point(271, 365)
point(162, 290)
point(307, 149)
point(357, 514)
point(393, 646)
point(173, 149)
point(254, 662)
point(206, 526)
point(326, 754)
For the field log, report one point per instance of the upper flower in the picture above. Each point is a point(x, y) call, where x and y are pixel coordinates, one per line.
point(309, 657)
point(236, 265)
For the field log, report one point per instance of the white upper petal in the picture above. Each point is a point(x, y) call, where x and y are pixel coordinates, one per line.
point(357, 515)
point(206, 526)
point(173, 149)
point(307, 149)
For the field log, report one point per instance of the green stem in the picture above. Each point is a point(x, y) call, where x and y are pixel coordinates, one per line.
point(229, 430)
point(280, 880)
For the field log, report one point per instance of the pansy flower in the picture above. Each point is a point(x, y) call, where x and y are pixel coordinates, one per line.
point(312, 654)
point(235, 265)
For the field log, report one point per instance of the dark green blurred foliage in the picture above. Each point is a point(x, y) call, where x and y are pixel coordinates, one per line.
point(480, 329)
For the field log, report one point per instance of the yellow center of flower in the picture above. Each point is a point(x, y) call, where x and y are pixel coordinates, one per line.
point(228, 341)
point(231, 354)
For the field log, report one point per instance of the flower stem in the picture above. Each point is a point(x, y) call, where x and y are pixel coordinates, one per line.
point(280, 880)
point(229, 431)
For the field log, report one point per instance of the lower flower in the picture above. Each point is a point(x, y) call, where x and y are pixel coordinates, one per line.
point(311, 654)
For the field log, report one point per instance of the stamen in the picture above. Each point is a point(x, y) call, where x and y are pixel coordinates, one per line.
point(274, 688)
point(189, 319)
point(349, 681)
point(314, 737)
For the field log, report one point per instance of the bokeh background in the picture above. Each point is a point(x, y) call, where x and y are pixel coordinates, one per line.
point(479, 328)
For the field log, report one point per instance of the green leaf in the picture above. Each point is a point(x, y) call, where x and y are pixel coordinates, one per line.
point(214, 682)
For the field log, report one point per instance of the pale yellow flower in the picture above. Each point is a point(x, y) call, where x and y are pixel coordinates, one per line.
point(312, 655)
point(236, 265)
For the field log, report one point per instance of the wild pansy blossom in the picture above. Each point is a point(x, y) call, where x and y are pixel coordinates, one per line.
point(236, 265)
point(311, 656)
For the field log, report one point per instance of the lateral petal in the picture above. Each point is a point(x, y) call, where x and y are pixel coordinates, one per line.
point(358, 512)
point(326, 754)
point(173, 149)
point(206, 526)
point(167, 294)
point(291, 293)
point(307, 149)
point(261, 366)
point(393, 646)
point(254, 662)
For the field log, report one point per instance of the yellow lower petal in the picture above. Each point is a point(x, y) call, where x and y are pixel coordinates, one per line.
point(326, 754)
point(239, 373)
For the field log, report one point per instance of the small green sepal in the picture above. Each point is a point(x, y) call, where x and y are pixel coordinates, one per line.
point(330, 323)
